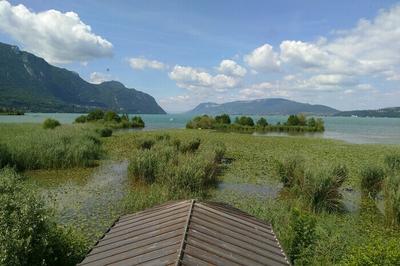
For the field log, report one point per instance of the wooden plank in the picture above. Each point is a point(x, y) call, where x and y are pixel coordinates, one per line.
point(144, 227)
point(193, 253)
point(234, 246)
point(154, 257)
point(221, 251)
point(245, 217)
point(136, 252)
point(153, 216)
point(128, 240)
point(237, 219)
point(247, 236)
point(132, 246)
point(154, 209)
point(269, 252)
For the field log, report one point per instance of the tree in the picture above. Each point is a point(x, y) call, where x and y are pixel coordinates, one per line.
point(244, 121)
point(302, 120)
point(223, 119)
point(112, 116)
point(95, 115)
point(292, 120)
point(262, 122)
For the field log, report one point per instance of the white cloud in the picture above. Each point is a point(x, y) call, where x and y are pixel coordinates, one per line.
point(193, 79)
point(58, 37)
point(230, 67)
point(302, 54)
point(143, 63)
point(262, 90)
point(263, 58)
point(98, 77)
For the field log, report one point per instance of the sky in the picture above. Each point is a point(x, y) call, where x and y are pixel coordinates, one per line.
point(344, 54)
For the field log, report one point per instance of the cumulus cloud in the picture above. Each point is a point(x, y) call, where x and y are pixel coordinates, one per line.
point(263, 58)
point(230, 67)
point(143, 63)
point(58, 37)
point(98, 77)
point(195, 79)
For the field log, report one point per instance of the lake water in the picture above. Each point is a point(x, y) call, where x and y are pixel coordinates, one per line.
point(350, 129)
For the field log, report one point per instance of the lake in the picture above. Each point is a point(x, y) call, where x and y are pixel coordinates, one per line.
point(351, 129)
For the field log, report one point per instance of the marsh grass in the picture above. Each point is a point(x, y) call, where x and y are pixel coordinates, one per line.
point(371, 180)
point(183, 169)
point(393, 161)
point(36, 148)
point(392, 199)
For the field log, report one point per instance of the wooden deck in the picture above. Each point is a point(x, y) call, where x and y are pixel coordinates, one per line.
point(188, 233)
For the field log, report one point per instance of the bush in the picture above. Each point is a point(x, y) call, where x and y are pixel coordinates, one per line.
point(105, 132)
point(95, 115)
point(262, 122)
point(81, 119)
point(304, 237)
point(223, 119)
point(219, 150)
point(50, 123)
point(393, 162)
point(371, 180)
point(392, 199)
point(137, 121)
point(145, 143)
point(190, 146)
point(28, 236)
point(291, 171)
point(112, 116)
point(203, 122)
point(323, 189)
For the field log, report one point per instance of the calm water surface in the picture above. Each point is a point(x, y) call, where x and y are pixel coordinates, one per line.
point(350, 129)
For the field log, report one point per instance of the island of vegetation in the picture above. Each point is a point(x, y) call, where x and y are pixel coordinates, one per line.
point(294, 123)
point(111, 119)
point(10, 111)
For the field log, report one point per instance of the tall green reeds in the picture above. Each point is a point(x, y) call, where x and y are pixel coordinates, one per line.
point(36, 148)
point(182, 168)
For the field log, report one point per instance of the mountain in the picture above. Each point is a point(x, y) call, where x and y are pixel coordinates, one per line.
point(272, 106)
point(29, 83)
point(384, 112)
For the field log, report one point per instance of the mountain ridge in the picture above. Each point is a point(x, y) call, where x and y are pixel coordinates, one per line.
point(266, 106)
point(382, 112)
point(29, 83)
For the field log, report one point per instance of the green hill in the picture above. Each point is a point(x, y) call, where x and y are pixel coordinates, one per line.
point(29, 83)
point(272, 106)
point(384, 112)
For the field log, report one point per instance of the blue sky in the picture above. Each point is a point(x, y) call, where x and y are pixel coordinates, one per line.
point(345, 54)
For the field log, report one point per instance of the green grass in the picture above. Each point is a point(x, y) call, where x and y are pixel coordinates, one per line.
point(340, 237)
point(32, 147)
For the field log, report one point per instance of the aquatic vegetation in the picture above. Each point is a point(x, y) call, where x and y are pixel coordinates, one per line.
point(295, 123)
point(111, 119)
point(190, 146)
point(28, 235)
point(291, 171)
point(393, 161)
point(322, 189)
point(303, 239)
point(181, 168)
point(371, 180)
point(62, 147)
point(392, 199)
point(380, 251)
point(50, 123)
point(105, 132)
